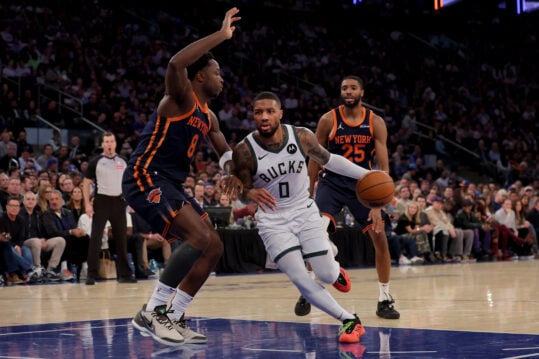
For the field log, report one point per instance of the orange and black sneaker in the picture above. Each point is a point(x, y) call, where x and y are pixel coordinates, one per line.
point(343, 283)
point(351, 331)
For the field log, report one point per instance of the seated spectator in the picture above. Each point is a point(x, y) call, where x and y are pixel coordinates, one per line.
point(8, 263)
point(444, 231)
point(35, 240)
point(403, 196)
point(209, 191)
point(48, 155)
point(76, 203)
point(466, 218)
point(409, 226)
point(460, 248)
point(153, 241)
point(512, 246)
point(66, 187)
point(136, 245)
point(239, 210)
point(58, 221)
point(12, 226)
point(43, 195)
point(524, 227)
point(13, 190)
point(402, 248)
point(533, 217)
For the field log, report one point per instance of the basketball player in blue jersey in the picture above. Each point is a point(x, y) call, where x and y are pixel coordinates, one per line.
point(271, 163)
point(153, 184)
point(359, 135)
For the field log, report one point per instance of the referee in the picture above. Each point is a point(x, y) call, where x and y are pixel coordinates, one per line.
point(106, 171)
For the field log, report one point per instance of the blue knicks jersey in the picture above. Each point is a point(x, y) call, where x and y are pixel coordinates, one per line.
point(168, 145)
point(353, 141)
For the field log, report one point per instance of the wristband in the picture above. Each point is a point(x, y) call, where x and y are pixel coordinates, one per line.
point(225, 157)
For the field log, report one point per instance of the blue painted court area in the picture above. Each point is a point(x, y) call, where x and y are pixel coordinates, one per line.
point(256, 339)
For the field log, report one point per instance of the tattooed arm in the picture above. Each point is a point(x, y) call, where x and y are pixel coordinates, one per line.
point(243, 168)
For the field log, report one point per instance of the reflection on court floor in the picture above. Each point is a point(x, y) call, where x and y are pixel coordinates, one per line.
point(116, 338)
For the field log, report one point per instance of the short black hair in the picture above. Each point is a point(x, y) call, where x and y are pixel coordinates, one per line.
point(267, 95)
point(199, 64)
point(357, 78)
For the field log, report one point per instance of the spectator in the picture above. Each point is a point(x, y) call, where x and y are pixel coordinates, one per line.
point(461, 247)
point(43, 195)
point(153, 241)
point(76, 203)
point(5, 142)
point(409, 226)
point(10, 160)
point(467, 218)
point(13, 190)
point(66, 187)
point(209, 191)
point(58, 221)
point(10, 265)
point(403, 248)
point(512, 246)
point(38, 244)
point(48, 154)
point(13, 225)
point(444, 231)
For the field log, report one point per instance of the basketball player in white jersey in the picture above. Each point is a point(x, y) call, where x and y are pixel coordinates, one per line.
point(271, 163)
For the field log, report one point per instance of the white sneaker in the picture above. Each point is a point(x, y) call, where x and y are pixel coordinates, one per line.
point(35, 274)
point(417, 260)
point(157, 324)
point(403, 261)
point(190, 336)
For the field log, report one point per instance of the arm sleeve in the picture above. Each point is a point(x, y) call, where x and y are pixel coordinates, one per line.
point(341, 165)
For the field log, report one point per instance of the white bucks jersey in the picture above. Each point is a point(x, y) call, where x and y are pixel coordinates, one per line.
point(283, 172)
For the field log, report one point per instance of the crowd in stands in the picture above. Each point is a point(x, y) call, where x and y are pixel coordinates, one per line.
point(450, 101)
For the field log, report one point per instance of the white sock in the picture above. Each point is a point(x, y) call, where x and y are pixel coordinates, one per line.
point(384, 292)
point(161, 294)
point(179, 304)
point(63, 266)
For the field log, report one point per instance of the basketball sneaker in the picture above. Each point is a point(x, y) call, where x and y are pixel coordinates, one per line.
point(351, 330)
point(386, 310)
point(303, 307)
point(343, 283)
point(190, 336)
point(157, 324)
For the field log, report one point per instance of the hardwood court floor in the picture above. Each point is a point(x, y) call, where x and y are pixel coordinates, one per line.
point(456, 306)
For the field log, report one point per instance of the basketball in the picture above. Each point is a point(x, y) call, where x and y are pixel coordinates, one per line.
point(375, 189)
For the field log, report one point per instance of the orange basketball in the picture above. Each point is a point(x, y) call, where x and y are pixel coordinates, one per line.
point(375, 189)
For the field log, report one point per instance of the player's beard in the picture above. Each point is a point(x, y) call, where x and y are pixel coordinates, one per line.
point(353, 104)
point(269, 133)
